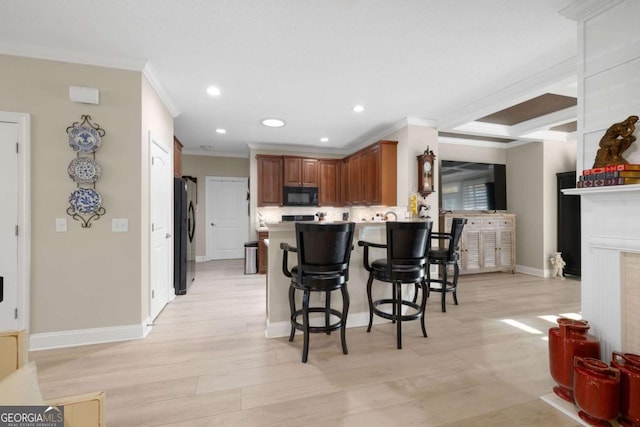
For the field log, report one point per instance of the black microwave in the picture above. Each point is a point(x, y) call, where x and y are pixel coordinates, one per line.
point(300, 196)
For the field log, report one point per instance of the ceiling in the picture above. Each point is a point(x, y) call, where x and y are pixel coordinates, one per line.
point(459, 65)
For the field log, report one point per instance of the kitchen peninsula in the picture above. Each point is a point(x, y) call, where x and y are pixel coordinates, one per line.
point(278, 311)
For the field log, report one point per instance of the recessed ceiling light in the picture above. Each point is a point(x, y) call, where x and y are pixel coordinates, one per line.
point(358, 108)
point(213, 91)
point(273, 123)
point(221, 130)
point(325, 139)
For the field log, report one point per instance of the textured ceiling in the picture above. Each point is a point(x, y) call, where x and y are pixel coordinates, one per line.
point(307, 62)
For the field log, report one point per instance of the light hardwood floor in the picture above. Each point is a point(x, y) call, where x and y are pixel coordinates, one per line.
point(207, 363)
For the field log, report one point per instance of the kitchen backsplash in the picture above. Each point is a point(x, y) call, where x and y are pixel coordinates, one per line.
point(357, 213)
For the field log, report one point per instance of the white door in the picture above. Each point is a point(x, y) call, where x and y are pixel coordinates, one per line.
point(227, 215)
point(161, 210)
point(8, 223)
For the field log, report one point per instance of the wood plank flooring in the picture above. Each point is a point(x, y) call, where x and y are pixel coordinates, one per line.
point(207, 363)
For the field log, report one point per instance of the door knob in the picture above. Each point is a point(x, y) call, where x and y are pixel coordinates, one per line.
point(212, 224)
point(167, 236)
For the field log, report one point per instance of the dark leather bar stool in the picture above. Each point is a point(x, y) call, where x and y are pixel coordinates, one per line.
point(445, 256)
point(406, 262)
point(324, 251)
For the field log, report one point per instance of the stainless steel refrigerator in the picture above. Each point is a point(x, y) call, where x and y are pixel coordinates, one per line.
point(184, 227)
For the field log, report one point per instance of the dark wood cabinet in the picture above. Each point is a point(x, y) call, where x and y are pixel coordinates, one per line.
point(354, 191)
point(569, 241)
point(300, 172)
point(177, 158)
point(263, 260)
point(372, 175)
point(329, 182)
point(269, 180)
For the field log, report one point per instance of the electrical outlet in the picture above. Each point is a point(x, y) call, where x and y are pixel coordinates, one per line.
point(119, 225)
point(61, 225)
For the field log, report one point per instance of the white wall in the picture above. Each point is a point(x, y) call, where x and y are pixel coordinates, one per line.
point(609, 91)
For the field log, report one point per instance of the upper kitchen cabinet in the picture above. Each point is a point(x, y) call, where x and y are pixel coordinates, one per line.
point(269, 180)
point(300, 172)
point(329, 182)
point(372, 175)
point(177, 157)
point(381, 174)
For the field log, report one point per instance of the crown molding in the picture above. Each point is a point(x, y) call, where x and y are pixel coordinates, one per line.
point(583, 10)
point(151, 76)
point(72, 56)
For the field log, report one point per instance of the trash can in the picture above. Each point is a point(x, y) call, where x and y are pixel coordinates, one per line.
point(251, 257)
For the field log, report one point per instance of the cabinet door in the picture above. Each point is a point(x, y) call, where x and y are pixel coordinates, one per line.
point(355, 179)
point(506, 251)
point(269, 181)
point(489, 249)
point(373, 181)
point(328, 185)
point(470, 251)
point(177, 157)
point(345, 197)
point(292, 171)
point(309, 169)
point(263, 260)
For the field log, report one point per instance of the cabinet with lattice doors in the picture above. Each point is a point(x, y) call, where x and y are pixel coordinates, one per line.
point(488, 242)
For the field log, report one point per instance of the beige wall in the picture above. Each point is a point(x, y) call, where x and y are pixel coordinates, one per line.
point(525, 198)
point(470, 153)
point(201, 167)
point(84, 278)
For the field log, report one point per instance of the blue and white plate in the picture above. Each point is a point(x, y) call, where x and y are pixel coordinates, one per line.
point(84, 170)
point(85, 200)
point(84, 139)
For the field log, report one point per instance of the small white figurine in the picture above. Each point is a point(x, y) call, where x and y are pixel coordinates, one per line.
point(558, 264)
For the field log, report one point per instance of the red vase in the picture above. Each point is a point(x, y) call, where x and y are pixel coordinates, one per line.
point(596, 390)
point(629, 366)
point(567, 340)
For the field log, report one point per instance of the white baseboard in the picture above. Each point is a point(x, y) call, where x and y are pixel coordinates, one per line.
point(78, 337)
point(355, 320)
point(530, 271)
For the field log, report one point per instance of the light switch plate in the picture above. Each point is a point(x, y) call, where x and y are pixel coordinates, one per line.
point(61, 225)
point(120, 225)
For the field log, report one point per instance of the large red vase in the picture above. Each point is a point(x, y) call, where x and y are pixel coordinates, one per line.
point(629, 366)
point(567, 340)
point(596, 390)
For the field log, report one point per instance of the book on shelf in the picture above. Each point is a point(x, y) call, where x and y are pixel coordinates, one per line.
point(607, 182)
point(612, 168)
point(614, 174)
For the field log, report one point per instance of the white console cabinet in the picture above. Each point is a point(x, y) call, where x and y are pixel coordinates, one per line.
point(488, 241)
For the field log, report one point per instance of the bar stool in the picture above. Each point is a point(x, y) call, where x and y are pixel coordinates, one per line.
point(445, 256)
point(407, 250)
point(324, 251)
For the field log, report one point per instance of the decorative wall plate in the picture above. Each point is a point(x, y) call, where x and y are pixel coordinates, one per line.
point(84, 170)
point(84, 139)
point(85, 200)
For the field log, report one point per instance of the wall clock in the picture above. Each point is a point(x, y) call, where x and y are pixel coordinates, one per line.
point(425, 172)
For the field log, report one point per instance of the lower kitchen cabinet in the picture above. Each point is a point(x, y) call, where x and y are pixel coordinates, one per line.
point(263, 260)
point(488, 242)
